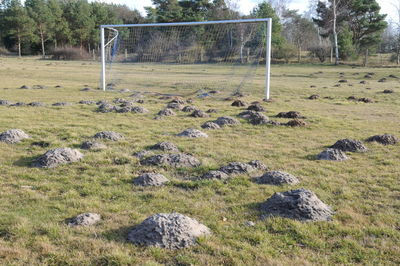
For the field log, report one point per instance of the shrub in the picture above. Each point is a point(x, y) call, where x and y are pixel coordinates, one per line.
point(72, 53)
point(320, 51)
point(4, 51)
point(286, 51)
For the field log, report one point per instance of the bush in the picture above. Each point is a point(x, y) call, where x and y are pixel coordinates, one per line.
point(286, 51)
point(4, 51)
point(73, 53)
point(393, 58)
point(320, 51)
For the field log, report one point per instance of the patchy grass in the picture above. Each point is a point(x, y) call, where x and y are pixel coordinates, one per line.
point(363, 191)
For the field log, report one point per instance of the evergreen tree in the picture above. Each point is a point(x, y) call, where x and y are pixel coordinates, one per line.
point(60, 30)
point(366, 24)
point(264, 10)
point(165, 11)
point(78, 14)
point(18, 25)
point(44, 20)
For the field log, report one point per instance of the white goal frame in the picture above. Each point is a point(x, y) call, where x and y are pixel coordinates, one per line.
point(268, 33)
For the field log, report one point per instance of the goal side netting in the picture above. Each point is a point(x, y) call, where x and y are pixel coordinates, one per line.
point(187, 58)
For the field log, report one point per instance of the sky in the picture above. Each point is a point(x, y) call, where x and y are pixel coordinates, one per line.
point(247, 5)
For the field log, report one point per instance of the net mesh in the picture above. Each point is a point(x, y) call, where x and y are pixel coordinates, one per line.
point(185, 60)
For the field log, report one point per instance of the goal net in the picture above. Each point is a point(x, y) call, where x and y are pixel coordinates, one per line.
point(191, 58)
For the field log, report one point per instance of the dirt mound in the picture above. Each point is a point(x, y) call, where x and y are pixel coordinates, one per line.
point(237, 168)
point(87, 102)
point(332, 155)
point(385, 139)
point(171, 159)
point(258, 165)
point(314, 97)
point(290, 114)
point(239, 103)
point(92, 145)
point(84, 219)
point(56, 157)
point(150, 179)
point(226, 121)
point(26, 87)
point(256, 107)
point(36, 104)
point(189, 108)
point(61, 104)
point(215, 175)
point(12, 136)
point(296, 123)
point(199, 114)
point(142, 154)
point(210, 125)
point(212, 111)
point(300, 204)
point(365, 100)
point(350, 145)
point(126, 109)
point(18, 104)
point(192, 133)
point(178, 100)
point(277, 178)
point(174, 105)
point(257, 118)
point(4, 102)
point(166, 112)
point(106, 108)
point(168, 230)
point(108, 135)
point(165, 146)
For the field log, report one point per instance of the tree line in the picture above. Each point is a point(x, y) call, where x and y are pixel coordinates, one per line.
point(339, 28)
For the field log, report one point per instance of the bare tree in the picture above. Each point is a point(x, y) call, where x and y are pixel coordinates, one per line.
point(396, 5)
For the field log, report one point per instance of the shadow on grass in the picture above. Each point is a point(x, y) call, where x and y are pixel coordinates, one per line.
point(118, 235)
point(310, 157)
point(25, 161)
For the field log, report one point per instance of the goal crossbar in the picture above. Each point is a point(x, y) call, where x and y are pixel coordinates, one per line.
point(268, 22)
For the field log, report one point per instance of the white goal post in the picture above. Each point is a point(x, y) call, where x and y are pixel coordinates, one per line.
point(114, 29)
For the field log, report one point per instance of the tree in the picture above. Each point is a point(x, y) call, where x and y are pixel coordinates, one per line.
point(39, 11)
point(78, 15)
point(264, 10)
point(165, 11)
point(360, 16)
point(299, 31)
point(330, 15)
point(18, 24)
point(366, 24)
point(61, 33)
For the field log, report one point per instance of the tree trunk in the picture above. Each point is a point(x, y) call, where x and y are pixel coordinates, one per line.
point(55, 43)
point(331, 59)
point(19, 46)
point(42, 39)
point(299, 55)
point(335, 39)
point(366, 57)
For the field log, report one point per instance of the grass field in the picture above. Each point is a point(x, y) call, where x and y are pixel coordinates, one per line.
point(364, 191)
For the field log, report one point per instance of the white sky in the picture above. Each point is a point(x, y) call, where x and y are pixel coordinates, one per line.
point(247, 5)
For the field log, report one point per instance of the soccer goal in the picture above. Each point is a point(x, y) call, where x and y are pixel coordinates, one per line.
point(187, 58)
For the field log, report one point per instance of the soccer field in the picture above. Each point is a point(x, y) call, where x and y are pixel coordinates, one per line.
point(363, 191)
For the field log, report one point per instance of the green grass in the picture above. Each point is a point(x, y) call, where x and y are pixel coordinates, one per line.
point(363, 191)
